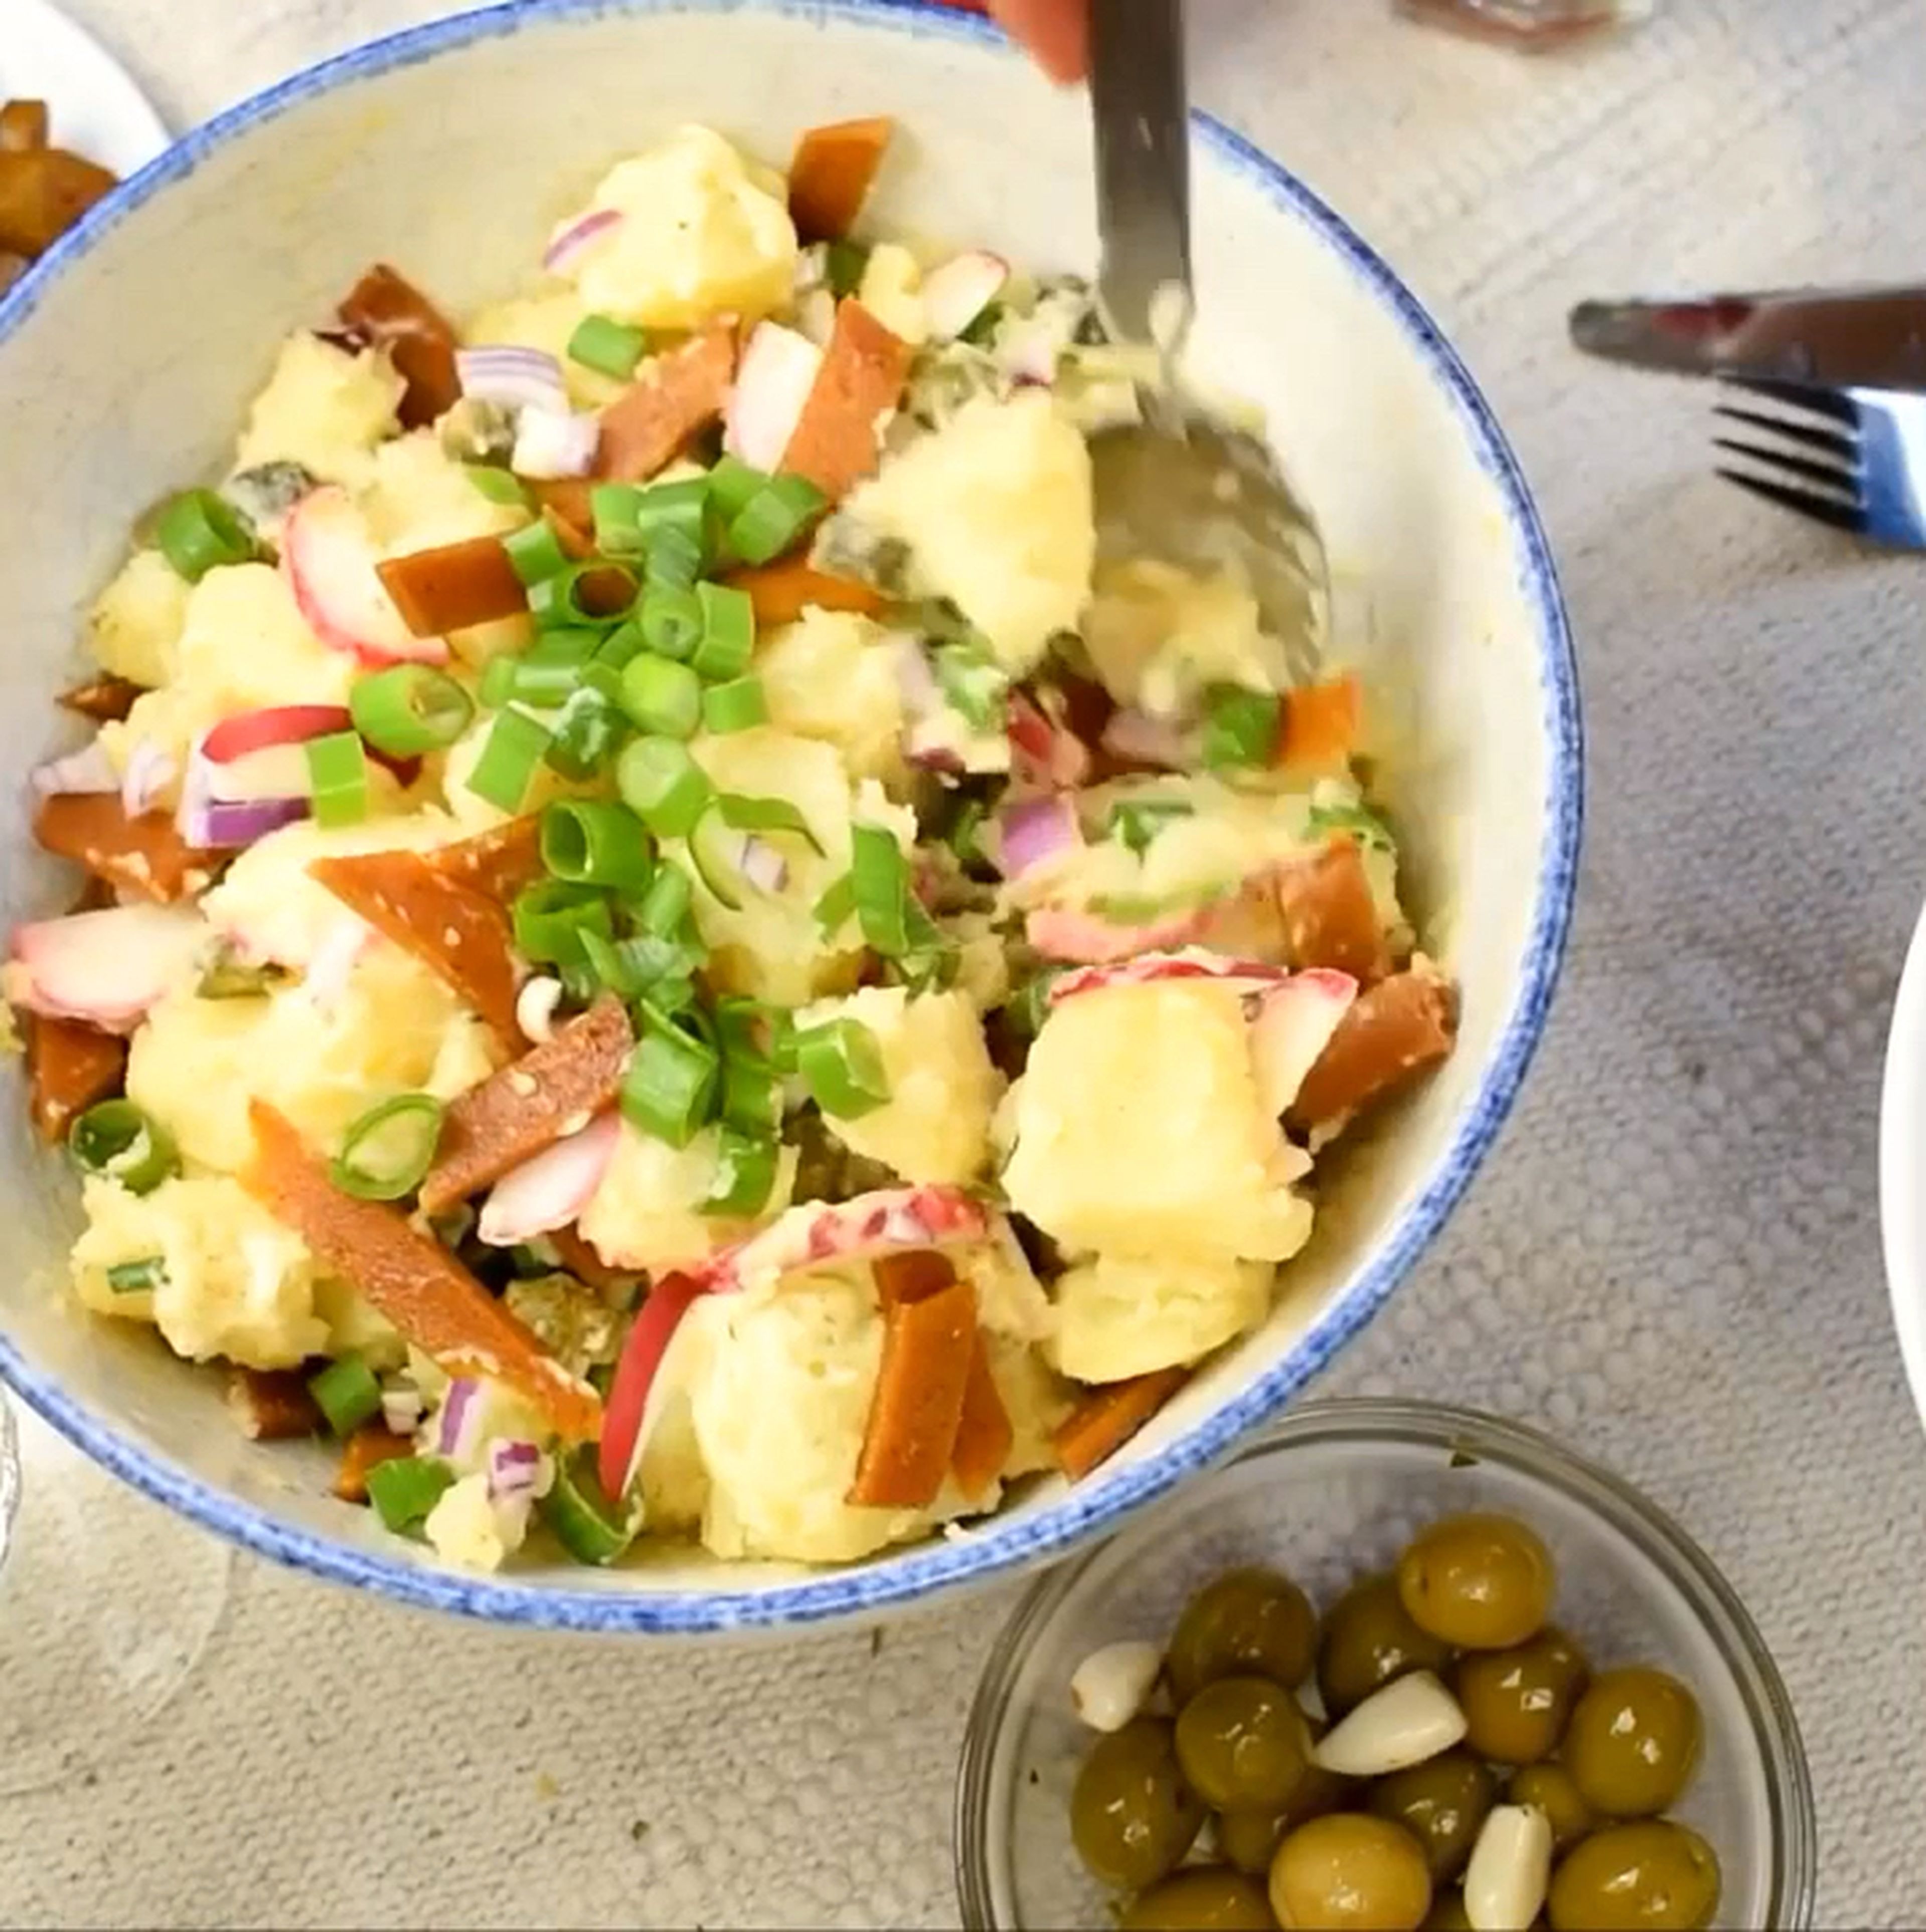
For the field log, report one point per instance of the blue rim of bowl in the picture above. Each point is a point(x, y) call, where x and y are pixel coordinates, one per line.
point(1097, 1503)
point(1448, 1431)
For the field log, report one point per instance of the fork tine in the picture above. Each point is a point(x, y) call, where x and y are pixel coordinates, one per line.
point(1799, 395)
point(1802, 502)
point(1828, 475)
point(1832, 441)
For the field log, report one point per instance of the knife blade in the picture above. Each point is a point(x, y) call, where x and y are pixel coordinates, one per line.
point(1841, 338)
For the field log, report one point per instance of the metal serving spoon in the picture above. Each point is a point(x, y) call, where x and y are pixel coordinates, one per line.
point(1181, 486)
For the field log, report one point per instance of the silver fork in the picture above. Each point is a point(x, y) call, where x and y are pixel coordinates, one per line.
point(1853, 458)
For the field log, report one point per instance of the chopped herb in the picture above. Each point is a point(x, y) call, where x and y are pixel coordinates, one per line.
point(139, 1277)
point(1137, 822)
point(1369, 828)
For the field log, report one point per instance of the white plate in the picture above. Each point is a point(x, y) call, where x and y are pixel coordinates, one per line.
point(1902, 1165)
point(98, 108)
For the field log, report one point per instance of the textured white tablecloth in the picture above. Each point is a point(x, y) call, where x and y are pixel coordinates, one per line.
point(1674, 1262)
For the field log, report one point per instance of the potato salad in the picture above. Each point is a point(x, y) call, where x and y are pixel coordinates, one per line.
point(667, 950)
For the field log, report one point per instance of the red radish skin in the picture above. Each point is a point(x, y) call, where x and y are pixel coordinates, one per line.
point(1084, 939)
point(779, 369)
point(274, 724)
point(551, 1190)
point(1148, 968)
point(331, 559)
point(870, 1225)
point(1294, 1025)
point(108, 968)
point(619, 1454)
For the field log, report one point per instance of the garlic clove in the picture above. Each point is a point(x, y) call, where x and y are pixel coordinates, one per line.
point(1510, 1872)
point(1412, 1719)
point(1112, 1685)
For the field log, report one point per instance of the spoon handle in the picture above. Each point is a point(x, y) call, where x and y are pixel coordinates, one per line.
point(1140, 103)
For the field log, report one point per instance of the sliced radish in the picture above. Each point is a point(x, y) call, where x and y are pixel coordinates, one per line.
point(871, 1225)
point(778, 370)
point(108, 968)
point(618, 1456)
point(1147, 969)
point(550, 1190)
point(1293, 1026)
point(1087, 939)
point(273, 724)
point(89, 769)
point(330, 557)
point(956, 294)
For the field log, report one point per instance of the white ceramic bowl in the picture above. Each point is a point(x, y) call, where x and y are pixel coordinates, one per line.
point(128, 357)
point(1902, 1165)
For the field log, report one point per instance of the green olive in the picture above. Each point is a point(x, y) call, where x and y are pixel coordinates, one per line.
point(1248, 1840)
point(1204, 1898)
point(1517, 1702)
point(1243, 1743)
point(1441, 1803)
point(1479, 1583)
point(1350, 1873)
point(1247, 1623)
point(1549, 1787)
point(1652, 1876)
point(1633, 1742)
point(1132, 1817)
point(1448, 1914)
point(1369, 1640)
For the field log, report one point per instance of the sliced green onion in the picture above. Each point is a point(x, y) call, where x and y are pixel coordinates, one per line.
point(228, 976)
point(542, 687)
point(1137, 821)
point(591, 1528)
point(728, 638)
point(385, 1153)
point(751, 1096)
point(536, 552)
point(836, 907)
point(774, 518)
point(665, 906)
point(660, 695)
point(609, 347)
point(550, 916)
point(745, 1173)
point(1241, 727)
point(675, 561)
point(497, 485)
point(673, 511)
point(669, 998)
point(140, 1277)
point(733, 486)
point(622, 645)
point(663, 786)
point(597, 594)
point(880, 877)
point(973, 683)
point(200, 530)
point(669, 1090)
point(586, 734)
point(604, 680)
point(1028, 1006)
point(613, 507)
point(579, 983)
point(845, 263)
point(337, 778)
point(514, 750)
point(346, 1394)
point(409, 709)
point(982, 327)
point(962, 836)
point(931, 960)
point(589, 842)
point(841, 1065)
point(405, 1488)
point(767, 814)
point(498, 683)
point(1358, 820)
point(572, 645)
point(630, 967)
point(120, 1141)
point(718, 853)
point(671, 621)
point(738, 706)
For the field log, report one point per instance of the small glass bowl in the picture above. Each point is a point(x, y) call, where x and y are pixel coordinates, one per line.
point(1335, 1490)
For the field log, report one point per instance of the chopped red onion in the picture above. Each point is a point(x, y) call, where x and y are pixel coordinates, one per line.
point(914, 678)
point(218, 825)
point(1142, 739)
point(1043, 751)
point(401, 1410)
point(570, 243)
point(762, 866)
point(514, 1469)
point(150, 771)
point(515, 378)
point(458, 1425)
point(89, 769)
point(1037, 829)
point(552, 443)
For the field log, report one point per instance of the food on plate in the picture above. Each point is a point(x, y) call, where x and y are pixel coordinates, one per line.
point(665, 955)
point(44, 189)
point(1376, 1795)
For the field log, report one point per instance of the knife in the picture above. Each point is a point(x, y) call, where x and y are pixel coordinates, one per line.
point(1873, 338)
